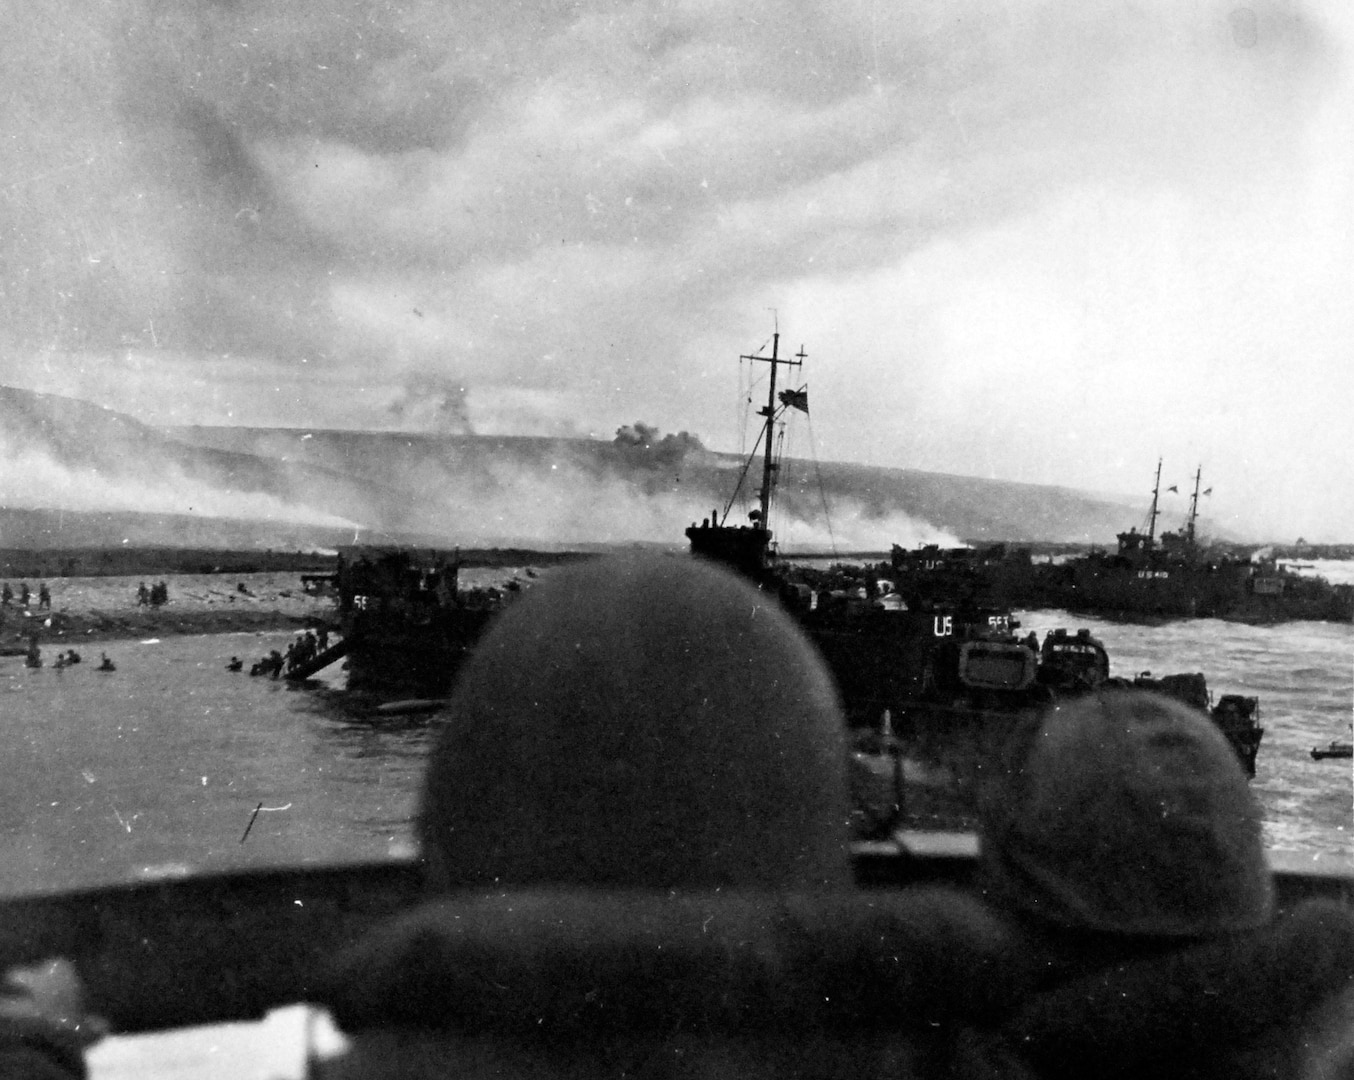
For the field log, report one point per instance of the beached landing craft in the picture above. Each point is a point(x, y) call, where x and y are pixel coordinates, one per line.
point(406, 622)
point(405, 625)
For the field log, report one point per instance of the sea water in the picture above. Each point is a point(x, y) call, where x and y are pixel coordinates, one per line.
point(1303, 675)
point(172, 764)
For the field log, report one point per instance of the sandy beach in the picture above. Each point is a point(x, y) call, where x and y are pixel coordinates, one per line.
point(88, 609)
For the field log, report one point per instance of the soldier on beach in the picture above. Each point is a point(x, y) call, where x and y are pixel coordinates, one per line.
point(6, 595)
point(44, 596)
point(142, 595)
point(24, 594)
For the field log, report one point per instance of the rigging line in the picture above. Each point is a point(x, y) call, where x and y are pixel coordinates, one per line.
point(744, 405)
point(743, 475)
point(786, 446)
point(777, 457)
point(822, 490)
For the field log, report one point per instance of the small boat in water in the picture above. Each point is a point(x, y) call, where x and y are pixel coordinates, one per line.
point(1336, 748)
point(411, 707)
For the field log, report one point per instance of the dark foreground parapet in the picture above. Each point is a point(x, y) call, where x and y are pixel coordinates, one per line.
point(166, 954)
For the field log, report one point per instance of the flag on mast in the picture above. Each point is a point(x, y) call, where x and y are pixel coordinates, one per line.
point(796, 399)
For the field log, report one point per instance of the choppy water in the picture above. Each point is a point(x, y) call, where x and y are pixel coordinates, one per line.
point(159, 766)
point(1303, 674)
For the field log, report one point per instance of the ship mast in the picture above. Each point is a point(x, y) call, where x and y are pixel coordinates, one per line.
point(769, 465)
point(1152, 521)
point(1193, 507)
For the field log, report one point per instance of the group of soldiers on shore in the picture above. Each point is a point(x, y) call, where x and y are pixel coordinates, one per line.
point(153, 596)
point(25, 595)
point(146, 596)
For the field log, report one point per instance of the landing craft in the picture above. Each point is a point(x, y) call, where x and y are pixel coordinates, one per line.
point(407, 627)
point(1174, 576)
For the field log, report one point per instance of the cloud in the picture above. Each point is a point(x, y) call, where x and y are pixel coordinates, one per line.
point(584, 212)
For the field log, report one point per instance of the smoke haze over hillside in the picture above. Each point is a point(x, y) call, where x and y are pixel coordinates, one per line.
point(69, 455)
point(642, 486)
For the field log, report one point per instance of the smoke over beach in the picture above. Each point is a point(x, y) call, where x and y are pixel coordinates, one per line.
point(642, 486)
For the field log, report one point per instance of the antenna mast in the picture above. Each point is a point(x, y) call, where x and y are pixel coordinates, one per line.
point(1193, 506)
point(1152, 521)
point(769, 465)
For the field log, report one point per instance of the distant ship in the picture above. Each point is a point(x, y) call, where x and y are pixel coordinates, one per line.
point(1173, 577)
point(1148, 578)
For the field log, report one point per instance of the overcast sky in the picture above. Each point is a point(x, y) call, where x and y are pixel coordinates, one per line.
point(1048, 242)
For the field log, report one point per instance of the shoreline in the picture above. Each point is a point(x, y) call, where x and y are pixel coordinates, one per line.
point(105, 608)
point(95, 609)
point(100, 626)
point(156, 562)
